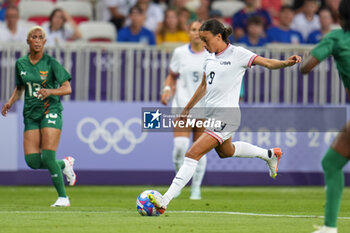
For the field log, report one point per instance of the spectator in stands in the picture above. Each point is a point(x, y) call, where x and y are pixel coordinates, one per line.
point(171, 29)
point(13, 31)
point(273, 7)
point(283, 33)
point(326, 22)
point(184, 18)
point(239, 19)
point(4, 6)
point(307, 21)
point(57, 32)
point(255, 32)
point(154, 15)
point(180, 4)
point(136, 32)
point(116, 11)
point(333, 6)
point(203, 10)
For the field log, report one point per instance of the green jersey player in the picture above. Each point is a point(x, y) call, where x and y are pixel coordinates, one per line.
point(43, 80)
point(336, 43)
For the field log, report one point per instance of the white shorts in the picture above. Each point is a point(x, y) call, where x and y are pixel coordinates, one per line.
point(223, 133)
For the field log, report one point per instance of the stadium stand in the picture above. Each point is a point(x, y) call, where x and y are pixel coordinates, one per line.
point(80, 11)
point(97, 31)
point(35, 11)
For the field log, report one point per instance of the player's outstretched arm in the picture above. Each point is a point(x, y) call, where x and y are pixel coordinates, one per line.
point(276, 64)
point(308, 64)
point(64, 89)
point(16, 94)
point(169, 88)
point(200, 92)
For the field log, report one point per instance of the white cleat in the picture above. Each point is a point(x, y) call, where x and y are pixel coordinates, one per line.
point(158, 202)
point(61, 202)
point(273, 161)
point(196, 194)
point(326, 229)
point(68, 170)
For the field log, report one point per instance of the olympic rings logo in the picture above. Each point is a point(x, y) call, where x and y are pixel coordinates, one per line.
point(111, 138)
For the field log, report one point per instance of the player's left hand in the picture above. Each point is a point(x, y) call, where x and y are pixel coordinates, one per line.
point(43, 93)
point(293, 60)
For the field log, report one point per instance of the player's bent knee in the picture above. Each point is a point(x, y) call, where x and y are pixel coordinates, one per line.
point(222, 154)
point(192, 155)
point(32, 163)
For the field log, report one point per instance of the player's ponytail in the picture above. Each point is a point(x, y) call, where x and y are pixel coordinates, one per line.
point(344, 12)
point(227, 33)
point(216, 27)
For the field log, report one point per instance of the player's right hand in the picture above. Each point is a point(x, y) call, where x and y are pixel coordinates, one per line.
point(5, 109)
point(165, 97)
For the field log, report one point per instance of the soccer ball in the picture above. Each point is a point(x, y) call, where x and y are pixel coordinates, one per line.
point(144, 205)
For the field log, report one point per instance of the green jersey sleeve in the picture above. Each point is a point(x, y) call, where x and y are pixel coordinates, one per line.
point(60, 73)
point(324, 48)
point(19, 81)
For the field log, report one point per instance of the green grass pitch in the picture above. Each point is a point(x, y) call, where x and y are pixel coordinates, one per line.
point(222, 209)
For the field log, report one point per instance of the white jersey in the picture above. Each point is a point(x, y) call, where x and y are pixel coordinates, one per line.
point(189, 66)
point(224, 73)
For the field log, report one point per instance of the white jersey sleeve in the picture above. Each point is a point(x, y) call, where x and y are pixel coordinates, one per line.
point(175, 62)
point(245, 57)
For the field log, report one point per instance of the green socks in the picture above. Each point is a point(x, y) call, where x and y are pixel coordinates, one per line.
point(55, 169)
point(33, 161)
point(333, 164)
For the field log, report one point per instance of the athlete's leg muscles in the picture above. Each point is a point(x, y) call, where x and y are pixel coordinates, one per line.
point(333, 162)
point(49, 142)
point(199, 148)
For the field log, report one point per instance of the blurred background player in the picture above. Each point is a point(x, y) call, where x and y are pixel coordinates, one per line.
point(37, 74)
point(337, 44)
point(220, 87)
point(57, 32)
point(136, 32)
point(255, 33)
point(326, 22)
point(186, 70)
point(283, 32)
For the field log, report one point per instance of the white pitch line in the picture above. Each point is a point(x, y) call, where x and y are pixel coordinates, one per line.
point(170, 211)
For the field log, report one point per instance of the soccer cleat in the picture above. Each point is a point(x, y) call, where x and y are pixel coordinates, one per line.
point(157, 201)
point(326, 229)
point(68, 170)
point(195, 194)
point(61, 202)
point(273, 161)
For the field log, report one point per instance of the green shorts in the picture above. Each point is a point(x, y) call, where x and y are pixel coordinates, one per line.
point(51, 120)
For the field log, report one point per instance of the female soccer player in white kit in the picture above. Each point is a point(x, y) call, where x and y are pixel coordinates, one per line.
point(186, 68)
point(220, 87)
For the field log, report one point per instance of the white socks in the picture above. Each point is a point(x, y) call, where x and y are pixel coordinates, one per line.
point(246, 150)
point(181, 179)
point(180, 147)
point(199, 173)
